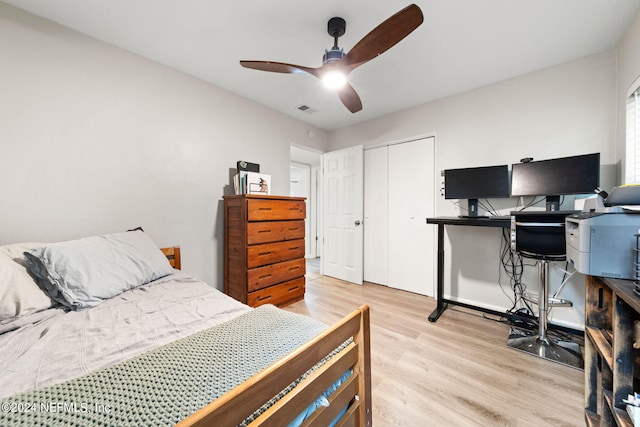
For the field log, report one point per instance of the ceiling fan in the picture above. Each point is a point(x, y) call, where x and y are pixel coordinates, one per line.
point(336, 65)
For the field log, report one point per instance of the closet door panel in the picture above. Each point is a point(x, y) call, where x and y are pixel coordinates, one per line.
point(376, 250)
point(410, 201)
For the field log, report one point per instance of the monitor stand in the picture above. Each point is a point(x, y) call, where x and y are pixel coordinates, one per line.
point(552, 203)
point(472, 209)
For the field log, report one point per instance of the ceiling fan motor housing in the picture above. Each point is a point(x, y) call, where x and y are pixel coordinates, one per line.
point(336, 27)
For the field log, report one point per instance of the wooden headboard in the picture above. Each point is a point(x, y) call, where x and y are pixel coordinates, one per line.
point(173, 255)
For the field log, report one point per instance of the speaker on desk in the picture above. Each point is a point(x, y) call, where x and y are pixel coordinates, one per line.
point(541, 236)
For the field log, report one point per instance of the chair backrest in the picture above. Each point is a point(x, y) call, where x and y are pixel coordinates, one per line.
point(539, 234)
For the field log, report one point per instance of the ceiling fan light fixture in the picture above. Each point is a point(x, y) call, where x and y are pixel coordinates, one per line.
point(334, 79)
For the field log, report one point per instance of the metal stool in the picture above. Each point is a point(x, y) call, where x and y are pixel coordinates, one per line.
point(541, 236)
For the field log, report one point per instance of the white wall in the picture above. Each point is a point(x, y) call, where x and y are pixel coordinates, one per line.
point(95, 139)
point(560, 111)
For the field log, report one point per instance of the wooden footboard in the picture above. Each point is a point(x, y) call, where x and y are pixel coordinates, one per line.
point(354, 393)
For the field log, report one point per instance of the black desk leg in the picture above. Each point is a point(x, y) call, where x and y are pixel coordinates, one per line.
point(442, 305)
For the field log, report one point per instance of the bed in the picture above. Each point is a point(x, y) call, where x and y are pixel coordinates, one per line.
point(146, 344)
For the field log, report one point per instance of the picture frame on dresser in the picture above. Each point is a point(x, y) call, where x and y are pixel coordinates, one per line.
point(264, 249)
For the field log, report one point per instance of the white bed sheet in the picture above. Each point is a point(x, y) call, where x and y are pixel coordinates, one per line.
point(65, 345)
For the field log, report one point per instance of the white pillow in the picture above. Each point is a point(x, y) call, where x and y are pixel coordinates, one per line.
point(83, 273)
point(19, 293)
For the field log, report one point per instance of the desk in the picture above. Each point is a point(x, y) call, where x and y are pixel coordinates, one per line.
point(441, 222)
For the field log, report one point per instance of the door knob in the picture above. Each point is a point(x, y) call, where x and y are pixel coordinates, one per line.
point(357, 222)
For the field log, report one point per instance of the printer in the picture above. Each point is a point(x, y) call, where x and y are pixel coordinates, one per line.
point(603, 243)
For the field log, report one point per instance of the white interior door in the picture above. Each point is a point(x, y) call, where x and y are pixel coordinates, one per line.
point(343, 214)
point(376, 218)
point(411, 201)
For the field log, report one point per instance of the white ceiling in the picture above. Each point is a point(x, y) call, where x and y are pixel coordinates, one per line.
point(462, 44)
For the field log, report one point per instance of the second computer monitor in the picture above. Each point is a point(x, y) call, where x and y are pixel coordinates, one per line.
point(556, 177)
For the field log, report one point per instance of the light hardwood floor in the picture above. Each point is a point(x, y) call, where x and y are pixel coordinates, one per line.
point(457, 371)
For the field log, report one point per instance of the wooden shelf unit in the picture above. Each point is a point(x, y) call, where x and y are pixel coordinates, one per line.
point(264, 249)
point(610, 367)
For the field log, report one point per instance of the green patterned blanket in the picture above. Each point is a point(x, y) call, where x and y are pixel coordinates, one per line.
point(168, 384)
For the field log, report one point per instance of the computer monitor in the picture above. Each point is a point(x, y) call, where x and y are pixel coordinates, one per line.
point(476, 183)
point(556, 177)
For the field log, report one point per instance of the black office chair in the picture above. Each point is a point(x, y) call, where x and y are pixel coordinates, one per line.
point(541, 236)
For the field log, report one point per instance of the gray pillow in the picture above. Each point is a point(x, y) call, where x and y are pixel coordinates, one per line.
point(19, 293)
point(83, 273)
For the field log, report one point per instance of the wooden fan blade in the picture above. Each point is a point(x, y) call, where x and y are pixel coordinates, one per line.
point(384, 36)
point(350, 98)
point(279, 67)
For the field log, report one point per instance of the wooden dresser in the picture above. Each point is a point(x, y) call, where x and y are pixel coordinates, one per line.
point(264, 249)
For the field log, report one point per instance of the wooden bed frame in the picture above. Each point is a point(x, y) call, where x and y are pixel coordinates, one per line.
point(354, 393)
point(173, 255)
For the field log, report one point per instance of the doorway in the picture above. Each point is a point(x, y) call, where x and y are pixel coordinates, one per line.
point(305, 181)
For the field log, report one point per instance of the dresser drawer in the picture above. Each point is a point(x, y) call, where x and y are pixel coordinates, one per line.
point(268, 275)
point(272, 210)
point(274, 231)
point(269, 253)
point(287, 292)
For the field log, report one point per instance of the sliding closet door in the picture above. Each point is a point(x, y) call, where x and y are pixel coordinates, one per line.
point(411, 198)
point(399, 190)
point(376, 218)
point(411, 201)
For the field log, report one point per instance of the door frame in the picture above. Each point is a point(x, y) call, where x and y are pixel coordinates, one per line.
point(310, 205)
point(314, 203)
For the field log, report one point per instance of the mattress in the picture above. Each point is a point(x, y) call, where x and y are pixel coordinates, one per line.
point(53, 346)
point(167, 384)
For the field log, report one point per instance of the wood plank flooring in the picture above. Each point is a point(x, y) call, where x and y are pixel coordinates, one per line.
point(457, 371)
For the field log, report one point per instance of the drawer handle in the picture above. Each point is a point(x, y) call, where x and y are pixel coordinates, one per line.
point(294, 268)
point(264, 253)
point(294, 209)
point(266, 297)
point(264, 209)
point(293, 249)
point(264, 231)
point(265, 276)
point(294, 288)
point(294, 229)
